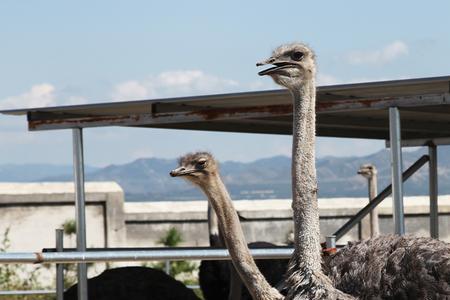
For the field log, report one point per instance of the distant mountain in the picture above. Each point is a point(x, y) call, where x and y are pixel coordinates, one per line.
point(34, 172)
point(148, 178)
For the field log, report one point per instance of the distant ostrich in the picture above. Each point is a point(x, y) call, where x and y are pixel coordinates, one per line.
point(369, 171)
point(136, 283)
point(385, 267)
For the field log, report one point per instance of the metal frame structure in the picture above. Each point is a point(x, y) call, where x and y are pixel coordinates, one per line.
point(365, 110)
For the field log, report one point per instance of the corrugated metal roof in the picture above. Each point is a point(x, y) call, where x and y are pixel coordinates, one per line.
point(350, 110)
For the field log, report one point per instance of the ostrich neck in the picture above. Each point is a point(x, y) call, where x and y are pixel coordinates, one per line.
point(304, 185)
point(373, 186)
point(215, 237)
point(235, 241)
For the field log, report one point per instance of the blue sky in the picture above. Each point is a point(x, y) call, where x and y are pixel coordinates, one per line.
point(56, 53)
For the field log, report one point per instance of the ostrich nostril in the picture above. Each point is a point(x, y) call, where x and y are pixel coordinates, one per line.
point(176, 172)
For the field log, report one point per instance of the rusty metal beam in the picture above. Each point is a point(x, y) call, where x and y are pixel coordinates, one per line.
point(48, 120)
point(215, 114)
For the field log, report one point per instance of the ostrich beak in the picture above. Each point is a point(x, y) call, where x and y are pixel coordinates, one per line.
point(268, 61)
point(278, 65)
point(181, 171)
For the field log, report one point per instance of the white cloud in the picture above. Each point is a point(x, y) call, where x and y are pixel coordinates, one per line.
point(379, 56)
point(131, 89)
point(39, 95)
point(327, 79)
point(173, 83)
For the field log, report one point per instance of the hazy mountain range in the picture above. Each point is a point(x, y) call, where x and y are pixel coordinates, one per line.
point(148, 178)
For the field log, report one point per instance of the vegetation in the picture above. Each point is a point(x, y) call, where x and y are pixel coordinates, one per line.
point(26, 277)
point(184, 271)
point(20, 276)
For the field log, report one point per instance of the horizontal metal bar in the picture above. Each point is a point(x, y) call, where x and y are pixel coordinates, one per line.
point(109, 256)
point(377, 200)
point(382, 102)
point(200, 115)
point(26, 292)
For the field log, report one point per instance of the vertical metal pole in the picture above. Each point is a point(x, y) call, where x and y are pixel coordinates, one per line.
point(167, 267)
point(59, 235)
point(78, 166)
point(434, 217)
point(330, 241)
point(396, 167)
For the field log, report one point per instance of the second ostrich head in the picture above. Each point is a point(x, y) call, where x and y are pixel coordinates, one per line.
point(196, 167)
point(293, 64)
point(367, 170)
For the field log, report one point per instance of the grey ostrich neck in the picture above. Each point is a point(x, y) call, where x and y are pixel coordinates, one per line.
point(233, 236)
point(304, 186)
point(373, 191)
point(215, 237)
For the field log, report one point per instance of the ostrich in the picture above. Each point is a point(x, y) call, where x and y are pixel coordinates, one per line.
point(219, 279)
point(137, 283)
point(201, 170)
point(295, 69)
point(385, 267)
point(369, 171)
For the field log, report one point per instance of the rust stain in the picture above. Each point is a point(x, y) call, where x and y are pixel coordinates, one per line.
point(367, 103)
point(75, 121)
point(215, 113)
point(39, 257)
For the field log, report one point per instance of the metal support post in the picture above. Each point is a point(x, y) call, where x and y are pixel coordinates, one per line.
point(434, 217)
point(330, 241)
point(396, 167)
point(78, 166)
point(59, 235)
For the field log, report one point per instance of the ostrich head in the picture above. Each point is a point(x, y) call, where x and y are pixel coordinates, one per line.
point(367, 170)
point(196, 167)
point(293, 64)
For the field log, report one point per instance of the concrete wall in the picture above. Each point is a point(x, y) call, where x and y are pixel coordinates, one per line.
point(271, 220)
point(32, 211)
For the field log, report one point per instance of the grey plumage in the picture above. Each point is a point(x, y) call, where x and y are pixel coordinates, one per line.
point(392, 267)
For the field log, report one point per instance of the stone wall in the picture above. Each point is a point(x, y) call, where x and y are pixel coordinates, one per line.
point(32, 211)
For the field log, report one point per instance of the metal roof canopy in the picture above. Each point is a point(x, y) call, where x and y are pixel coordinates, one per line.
point(350, 110)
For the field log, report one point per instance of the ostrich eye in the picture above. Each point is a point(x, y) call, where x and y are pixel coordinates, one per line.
point(201, 163)
point(297, 55)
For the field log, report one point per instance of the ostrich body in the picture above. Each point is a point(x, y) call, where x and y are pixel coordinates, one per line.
point(392, 267)
point(137, 283)
point(369, 172)
point(202, 170)
point(295, 69)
